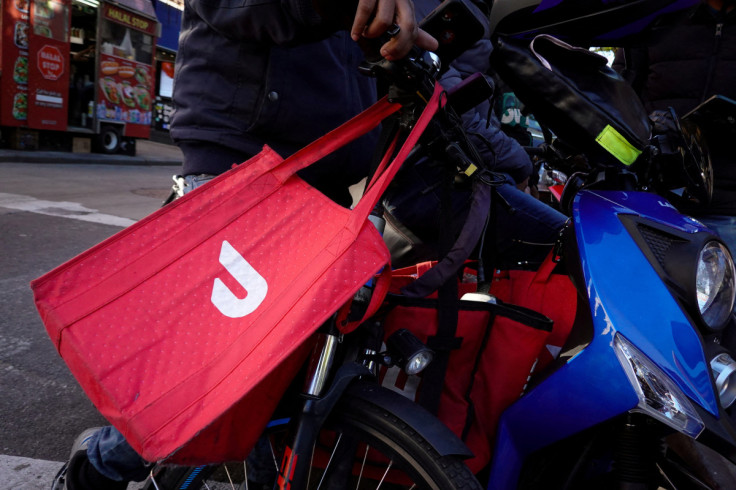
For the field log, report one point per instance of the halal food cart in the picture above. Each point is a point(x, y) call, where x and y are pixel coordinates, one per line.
point(75, 71)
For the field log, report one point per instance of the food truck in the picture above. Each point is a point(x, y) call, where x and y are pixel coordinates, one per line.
point(76, 71)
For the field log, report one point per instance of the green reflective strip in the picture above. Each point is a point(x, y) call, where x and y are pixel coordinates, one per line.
point(611, 140)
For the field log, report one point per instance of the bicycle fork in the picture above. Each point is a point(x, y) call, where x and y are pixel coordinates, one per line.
point(320, 400)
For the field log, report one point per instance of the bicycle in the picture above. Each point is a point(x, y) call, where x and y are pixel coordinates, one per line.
point(343, 410)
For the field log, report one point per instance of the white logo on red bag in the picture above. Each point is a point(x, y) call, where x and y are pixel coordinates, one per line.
point(253, 283)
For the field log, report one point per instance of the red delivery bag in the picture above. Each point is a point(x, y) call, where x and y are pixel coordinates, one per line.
point(492, 352)
point(550, 293)
point(206, 306)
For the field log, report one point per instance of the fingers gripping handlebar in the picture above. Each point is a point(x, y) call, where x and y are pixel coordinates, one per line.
point(454, 23)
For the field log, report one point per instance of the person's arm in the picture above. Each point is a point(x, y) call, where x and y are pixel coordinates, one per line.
point(293, 21)
point(499, 152)
point(374, 17)
point(632, 63)
point(268, 21)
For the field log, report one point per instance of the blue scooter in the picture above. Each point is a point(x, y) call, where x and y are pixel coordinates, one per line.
point(647, 378)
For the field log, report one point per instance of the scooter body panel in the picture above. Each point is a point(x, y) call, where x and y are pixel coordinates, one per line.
point(630, 297)
point(626, 295)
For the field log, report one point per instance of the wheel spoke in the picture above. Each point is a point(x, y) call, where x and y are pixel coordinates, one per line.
point(356, 425)
point(229, 478)
point(311, 465)
point(153, 480)
point(385, 473)
point(273, 455)
point(327, 467)
point(362, 466)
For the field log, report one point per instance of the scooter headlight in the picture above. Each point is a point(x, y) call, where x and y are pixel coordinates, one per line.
point(714, 283)
point(659, 397)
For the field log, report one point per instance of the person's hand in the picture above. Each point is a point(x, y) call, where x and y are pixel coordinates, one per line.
point(374, 17)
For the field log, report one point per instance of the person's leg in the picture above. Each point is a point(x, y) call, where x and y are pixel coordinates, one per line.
point(526, 229)
point(187, 183)
point(114, 458)
point(101, 458)
point(524, 232)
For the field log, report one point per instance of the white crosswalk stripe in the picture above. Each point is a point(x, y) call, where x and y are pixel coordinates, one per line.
point(62, 209)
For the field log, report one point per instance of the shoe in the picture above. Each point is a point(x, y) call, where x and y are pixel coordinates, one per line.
point(79, 449)
point(82, 441)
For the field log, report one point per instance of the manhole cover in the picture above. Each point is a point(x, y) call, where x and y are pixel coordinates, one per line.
point(156, 193)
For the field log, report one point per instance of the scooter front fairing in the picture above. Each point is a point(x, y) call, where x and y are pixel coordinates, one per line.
point(626, 298)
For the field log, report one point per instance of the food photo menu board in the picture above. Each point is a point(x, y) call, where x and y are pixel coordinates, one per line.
point(35, 59)
point(125, 89)
point(14, 81)
point(125, 78)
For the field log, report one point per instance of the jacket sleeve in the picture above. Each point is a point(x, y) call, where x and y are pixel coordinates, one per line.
point(632, 63)
point(499, 152)
point(279, 22)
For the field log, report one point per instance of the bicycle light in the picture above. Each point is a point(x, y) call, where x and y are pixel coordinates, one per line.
point(410, 353)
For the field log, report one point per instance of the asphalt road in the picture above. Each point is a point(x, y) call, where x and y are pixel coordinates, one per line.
point(48, 214)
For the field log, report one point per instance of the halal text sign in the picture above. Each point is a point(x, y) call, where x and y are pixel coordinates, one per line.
point(50, 62)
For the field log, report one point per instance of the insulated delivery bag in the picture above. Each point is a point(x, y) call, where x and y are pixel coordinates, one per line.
point(199, 315)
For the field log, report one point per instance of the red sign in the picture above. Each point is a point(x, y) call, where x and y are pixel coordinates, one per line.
point(129, 19)
point(48, 57)
point(50, 62)
point(15, 24)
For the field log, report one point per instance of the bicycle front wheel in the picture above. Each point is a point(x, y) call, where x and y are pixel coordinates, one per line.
point(362, 446)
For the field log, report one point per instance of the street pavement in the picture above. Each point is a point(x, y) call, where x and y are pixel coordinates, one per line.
point(54, 205)
point(41, 408)
point(147, 153)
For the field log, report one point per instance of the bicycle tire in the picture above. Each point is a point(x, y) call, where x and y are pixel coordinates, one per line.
point(370, 426)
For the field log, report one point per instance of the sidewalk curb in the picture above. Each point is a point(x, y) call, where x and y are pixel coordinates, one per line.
point(15, 156)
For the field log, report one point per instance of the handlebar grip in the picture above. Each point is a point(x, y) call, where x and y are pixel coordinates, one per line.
point(535, 151)
point(371, 47)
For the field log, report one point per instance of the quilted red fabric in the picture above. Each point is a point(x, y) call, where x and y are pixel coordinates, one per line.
point(200, 314)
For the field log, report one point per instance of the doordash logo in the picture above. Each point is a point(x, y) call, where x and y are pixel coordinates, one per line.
point(253, 283)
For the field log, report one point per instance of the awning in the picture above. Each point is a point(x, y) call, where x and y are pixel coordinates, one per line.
point(145, 7)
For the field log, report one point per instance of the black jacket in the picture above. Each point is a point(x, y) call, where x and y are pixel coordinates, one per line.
point(258, 72)
point(689, 56)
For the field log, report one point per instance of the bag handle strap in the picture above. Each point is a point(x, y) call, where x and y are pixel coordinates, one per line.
point(563, 47)
point(470, 234)
point(380, 290)
point(351, 130)
point(545, 270)
point(354, 128)
point(386, 172)
point(380, 181)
